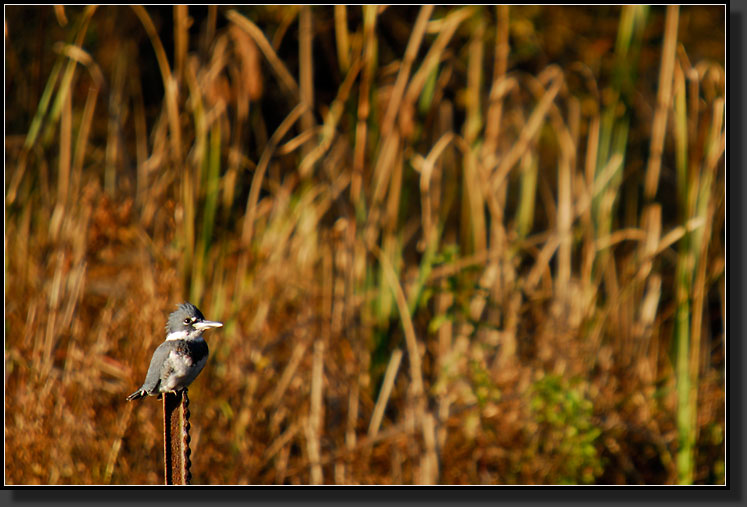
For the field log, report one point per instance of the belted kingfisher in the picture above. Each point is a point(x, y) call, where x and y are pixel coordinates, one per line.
point(178, 360)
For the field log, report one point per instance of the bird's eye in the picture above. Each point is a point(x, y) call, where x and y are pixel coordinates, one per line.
point(187, 321)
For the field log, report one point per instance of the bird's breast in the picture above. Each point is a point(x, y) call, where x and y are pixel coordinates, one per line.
point(185, 361)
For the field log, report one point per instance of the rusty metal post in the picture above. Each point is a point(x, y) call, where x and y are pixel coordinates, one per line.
point(176, 438)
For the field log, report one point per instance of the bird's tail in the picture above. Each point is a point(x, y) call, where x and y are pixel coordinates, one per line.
point(140, 393)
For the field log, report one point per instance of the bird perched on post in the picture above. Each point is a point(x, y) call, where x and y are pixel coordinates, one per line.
point(178, 360)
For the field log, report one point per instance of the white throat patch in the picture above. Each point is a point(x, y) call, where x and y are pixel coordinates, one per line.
point(177, 335)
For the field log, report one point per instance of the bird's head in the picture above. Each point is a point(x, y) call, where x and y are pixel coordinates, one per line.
point(188, 323)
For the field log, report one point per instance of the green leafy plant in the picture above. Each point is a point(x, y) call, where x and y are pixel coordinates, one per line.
point(565, 429)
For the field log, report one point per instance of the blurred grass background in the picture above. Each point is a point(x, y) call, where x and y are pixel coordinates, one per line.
point(455, 245)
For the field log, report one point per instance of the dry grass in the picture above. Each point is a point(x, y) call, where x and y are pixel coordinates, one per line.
point(449, 245)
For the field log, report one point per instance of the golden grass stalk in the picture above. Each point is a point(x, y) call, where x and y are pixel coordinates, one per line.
point(286, 79)
point(384, 393)
point(316, 422)
point(663, 98)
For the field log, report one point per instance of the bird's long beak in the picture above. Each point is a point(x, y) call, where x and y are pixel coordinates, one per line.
point(207, 324)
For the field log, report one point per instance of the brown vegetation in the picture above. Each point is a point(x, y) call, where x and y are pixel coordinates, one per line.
point(457, 245)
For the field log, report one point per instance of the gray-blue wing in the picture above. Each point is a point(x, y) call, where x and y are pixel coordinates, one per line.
point(153, 377)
